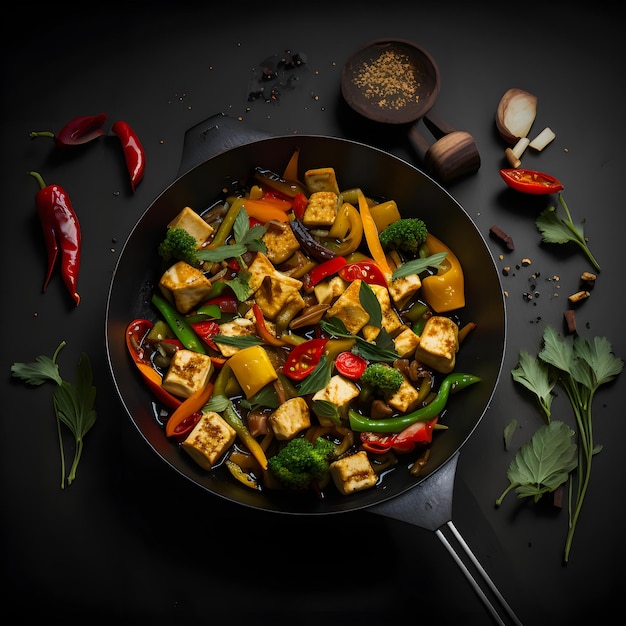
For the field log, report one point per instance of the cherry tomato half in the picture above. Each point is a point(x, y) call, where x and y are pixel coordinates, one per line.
point(303, 359)
point(365, 270)
point(350, 365)
point(300, 202)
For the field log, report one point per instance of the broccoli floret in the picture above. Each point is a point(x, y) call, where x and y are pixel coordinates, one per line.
point(405, 235)
point(383, 378)
point(179, 245)
point(301, 462)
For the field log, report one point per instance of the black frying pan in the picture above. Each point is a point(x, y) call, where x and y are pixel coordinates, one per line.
point(137, 272)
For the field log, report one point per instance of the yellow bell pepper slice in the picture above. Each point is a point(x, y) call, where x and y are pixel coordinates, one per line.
point(445, 290)
point(253, 369)
point(372, 237)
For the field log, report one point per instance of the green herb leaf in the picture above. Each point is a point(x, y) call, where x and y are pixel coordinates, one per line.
point(42, 369)
point(217, 403)
point(555, 229)
point(370, 351)
point(324, 408)
point(536, 377)
point(370, 303)
point(239, 341)
point(317, 379)
point(542, 464)
point(221, 253)
point(509, 431)
point(417, 266)
point(240, 286)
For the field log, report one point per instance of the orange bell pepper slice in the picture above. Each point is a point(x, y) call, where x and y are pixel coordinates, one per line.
point(188, 407)
point(372, 237)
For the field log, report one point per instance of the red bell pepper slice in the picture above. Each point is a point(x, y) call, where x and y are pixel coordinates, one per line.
point(350, 365)
point(206, 331)
point(136, 333)
point(262, 329)
point(364, 270)
point(530, 181)
point(303, 359)
point(402, 442)
point(300, 202)
point(325, 269)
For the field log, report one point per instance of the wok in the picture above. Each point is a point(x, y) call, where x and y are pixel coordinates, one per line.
point(423, 500)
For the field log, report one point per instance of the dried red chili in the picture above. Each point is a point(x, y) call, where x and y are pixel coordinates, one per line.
point(530, 181)
point(77, 132)
point(60, 229)
point(133, 151)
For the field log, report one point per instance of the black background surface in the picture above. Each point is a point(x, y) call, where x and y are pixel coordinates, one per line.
point(130, 538)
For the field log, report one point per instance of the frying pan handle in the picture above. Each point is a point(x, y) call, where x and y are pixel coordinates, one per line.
point(436, 125)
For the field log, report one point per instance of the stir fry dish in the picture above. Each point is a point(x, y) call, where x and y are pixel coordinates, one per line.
point(303, 336)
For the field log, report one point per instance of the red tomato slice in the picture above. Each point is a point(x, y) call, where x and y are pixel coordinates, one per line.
point(206, 331)
point(303, 359)
point(364, 270)
point(300, 202)
point(350, 365)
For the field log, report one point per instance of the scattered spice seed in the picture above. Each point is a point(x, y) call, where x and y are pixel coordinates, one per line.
point(500, 235)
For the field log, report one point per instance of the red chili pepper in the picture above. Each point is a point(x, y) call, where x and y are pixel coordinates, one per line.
point(300, 202)
point(325, 269)
point(136, 333)
point(303, 359)
point(182, 430)
point(530, 181)
point(262, 329)
point(402, 442)
point(61, 229)
point(350, 365)
point(133, 151)
point(364, 270)
point(77, 131)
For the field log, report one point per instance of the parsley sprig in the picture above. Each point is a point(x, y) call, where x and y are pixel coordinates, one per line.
point(556, 229)
point(581, 367)
point(73, 404)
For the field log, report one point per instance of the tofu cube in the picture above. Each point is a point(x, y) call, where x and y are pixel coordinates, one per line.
point(290, 418)
point(184, 286)
point(353, 473)
point(327, 290)
point(193, 223)
point(209, 440)
point(406, 342)
point(280, 241)
point(339, 391)
point(438, 344)
point(405, 398)
point(349, 310)
point(187, 373)
point(321, 209)
point(238, 327)
point(403, 289)
point(321, 179)
point(391, 322)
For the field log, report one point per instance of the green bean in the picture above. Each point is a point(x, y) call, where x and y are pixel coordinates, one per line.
point(450, 384)
point(183, 331)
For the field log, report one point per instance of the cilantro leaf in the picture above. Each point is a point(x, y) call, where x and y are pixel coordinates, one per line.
point(542, 464)
point(556, 229)
point(41, 370)
point(536, 377)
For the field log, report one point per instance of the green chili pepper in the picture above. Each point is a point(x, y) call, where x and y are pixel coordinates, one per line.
point(450, 384)
point(178, 324)
point(226, 226)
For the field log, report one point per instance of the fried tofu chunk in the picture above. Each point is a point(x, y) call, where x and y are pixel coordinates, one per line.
point(403, 289)
point(339, 391)
point(280, 241)
point(238, 327)
point(187, 373)
point(184, 286)
point(327, 290)
point(406, 342)
point(209, 440)
point(349, 310)
point(391, 322)
point(290, 418)
point(405, 398)
point(321, 210)
point(438, 344)
point(272, 288)
point(321, 179)
point(193, 223)
point(353, 473)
